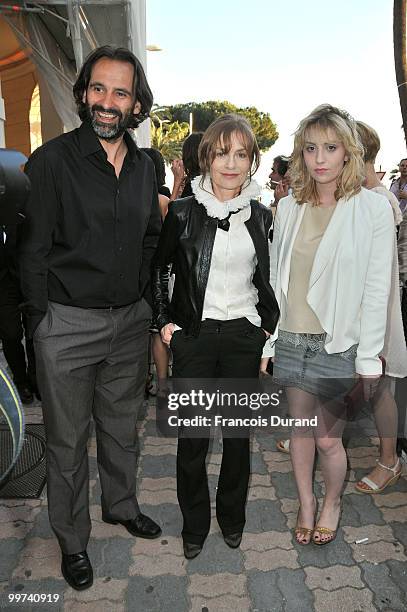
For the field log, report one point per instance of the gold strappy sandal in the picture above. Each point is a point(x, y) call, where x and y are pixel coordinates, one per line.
point(305, 531)
point(326, 531)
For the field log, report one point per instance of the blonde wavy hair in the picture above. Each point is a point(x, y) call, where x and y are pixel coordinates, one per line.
point(350, 180)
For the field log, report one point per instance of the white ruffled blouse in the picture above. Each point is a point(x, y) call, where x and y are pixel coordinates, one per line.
point(230, 292)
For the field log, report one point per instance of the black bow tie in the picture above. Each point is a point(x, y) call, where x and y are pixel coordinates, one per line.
point(224, 224)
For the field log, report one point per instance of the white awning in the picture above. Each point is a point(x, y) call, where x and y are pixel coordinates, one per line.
point(61, 33)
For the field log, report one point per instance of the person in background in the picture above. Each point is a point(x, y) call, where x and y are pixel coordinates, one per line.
point(11, 322)
point(331, 259)
point(279, 178)
point(401, 385)
point(187, 168)
point(394, 352)
point(402, 253)
point(159, 350)
point(159, 167)
point(280, 183)
point(399, 186)
point(222, 311)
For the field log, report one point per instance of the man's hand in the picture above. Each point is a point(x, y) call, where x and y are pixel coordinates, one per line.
point(167, 332)
point(281, 191)
point(402, 194)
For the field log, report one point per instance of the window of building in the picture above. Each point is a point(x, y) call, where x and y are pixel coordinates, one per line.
point(35, 120)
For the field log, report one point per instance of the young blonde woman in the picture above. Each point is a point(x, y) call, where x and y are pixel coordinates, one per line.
point(331, 270)
point(221, 312)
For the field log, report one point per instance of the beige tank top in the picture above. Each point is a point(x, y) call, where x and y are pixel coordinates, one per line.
point(298, 316)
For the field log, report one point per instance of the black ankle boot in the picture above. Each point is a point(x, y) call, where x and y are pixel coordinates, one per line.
point(233, 539)
point(191, 550)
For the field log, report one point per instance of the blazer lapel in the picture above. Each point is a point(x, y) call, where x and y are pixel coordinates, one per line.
point(290, 232)
point(330, 239)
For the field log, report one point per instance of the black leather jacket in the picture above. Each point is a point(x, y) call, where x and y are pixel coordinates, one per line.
point(186, 241)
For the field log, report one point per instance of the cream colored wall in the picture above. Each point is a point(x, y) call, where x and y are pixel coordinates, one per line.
point(17, 85)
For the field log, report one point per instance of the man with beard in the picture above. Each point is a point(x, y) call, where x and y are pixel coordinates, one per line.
point(92, 226)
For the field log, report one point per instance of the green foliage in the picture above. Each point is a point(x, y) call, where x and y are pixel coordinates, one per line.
point(205, 112)
point(393, 174)
point(167, 136)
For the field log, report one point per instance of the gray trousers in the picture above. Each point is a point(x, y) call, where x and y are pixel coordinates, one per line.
point(91, 362)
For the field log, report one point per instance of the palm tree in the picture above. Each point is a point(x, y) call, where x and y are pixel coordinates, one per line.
point(167, 136)
point(400, 61)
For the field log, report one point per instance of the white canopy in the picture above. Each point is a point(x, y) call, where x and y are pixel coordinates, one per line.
point(61, 33)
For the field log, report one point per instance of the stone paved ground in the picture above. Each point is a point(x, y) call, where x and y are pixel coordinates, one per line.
point(268, 573)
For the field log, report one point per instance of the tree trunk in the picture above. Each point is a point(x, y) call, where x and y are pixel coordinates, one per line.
point(400, 61)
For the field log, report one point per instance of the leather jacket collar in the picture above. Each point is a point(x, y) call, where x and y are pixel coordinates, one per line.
point(186, 242)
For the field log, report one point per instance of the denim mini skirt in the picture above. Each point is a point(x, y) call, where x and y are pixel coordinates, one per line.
point(301, 361)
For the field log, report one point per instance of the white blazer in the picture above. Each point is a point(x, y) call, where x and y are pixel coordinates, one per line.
point(350, 279)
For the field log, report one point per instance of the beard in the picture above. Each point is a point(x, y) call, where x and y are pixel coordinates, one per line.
point(109, 132)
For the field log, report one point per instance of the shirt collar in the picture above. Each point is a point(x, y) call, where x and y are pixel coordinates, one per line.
point(89, 143)
point(220, 210)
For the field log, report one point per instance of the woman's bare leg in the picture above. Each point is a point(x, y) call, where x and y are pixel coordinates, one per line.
point(302, 446)
point(386, 418)
point(161, 357)
point(264, 361)
point(332, 457)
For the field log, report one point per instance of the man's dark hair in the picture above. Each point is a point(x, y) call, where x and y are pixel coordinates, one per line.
point(141, 89)
point(190, 155)
point(282, 164)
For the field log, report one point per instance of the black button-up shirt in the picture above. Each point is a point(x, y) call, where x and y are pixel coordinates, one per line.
point(89, 236)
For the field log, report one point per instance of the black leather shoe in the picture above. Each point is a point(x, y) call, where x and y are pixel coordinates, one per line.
point(77, 570)
point(191, 550)
point(35, 391)
point(141, 526)
point(233, 539)
point(25, 394)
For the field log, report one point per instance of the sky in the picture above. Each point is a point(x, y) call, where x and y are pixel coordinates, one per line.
point(285, 58)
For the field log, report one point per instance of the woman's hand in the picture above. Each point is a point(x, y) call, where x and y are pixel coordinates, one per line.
point(177, 168)
point(267, 333)
point(167, 332)
point(370, 385)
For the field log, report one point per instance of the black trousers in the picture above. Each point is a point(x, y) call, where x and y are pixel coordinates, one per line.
point(223, 349)
point(12, 332)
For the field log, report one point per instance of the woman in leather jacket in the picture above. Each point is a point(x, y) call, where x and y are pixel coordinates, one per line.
point(221, 313)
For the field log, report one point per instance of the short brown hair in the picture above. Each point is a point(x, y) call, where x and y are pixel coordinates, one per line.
point(221, 130)
point(370, 141)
